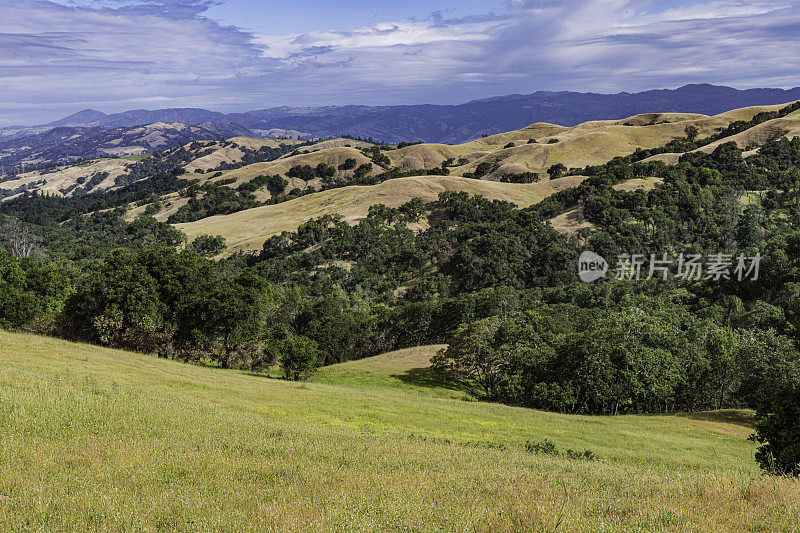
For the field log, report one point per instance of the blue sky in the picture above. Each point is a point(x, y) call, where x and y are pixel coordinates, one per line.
point(57, 57)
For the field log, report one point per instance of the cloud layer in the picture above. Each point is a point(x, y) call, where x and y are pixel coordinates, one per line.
point(56, 58)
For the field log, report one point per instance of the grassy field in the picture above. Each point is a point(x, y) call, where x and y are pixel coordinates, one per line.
point(95, 440)
point(247, 230)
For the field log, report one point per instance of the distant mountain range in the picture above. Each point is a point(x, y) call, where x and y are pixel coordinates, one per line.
point(429, 123)
point(454, 123)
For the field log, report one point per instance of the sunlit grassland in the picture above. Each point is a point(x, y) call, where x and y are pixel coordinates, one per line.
point(248, 229)
point(97, 439)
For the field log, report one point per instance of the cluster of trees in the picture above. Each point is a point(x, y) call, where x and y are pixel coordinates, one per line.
point(158, 174)
point(522, 177)
point(156, 299)
point(654, 357)
point(212, 199)
point(308, 173)
point(377, 156)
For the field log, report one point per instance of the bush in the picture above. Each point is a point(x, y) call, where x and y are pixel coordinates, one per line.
point(523, 177)
point(546, 447)
point(325, 171)
point(276, 184)
point(303, 172)
point(363, 171)
point(405, 144)
point(556, 171)
point(297, 355)
point(585, 455)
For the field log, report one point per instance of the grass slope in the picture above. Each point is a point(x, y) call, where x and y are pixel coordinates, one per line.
point(597, 142)
point(62, 180)
point(247, 230)
point(334, 156)
point(97, 439)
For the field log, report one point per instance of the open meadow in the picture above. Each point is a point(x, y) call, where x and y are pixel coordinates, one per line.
point(95, 439)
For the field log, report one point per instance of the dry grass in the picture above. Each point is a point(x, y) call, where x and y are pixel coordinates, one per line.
point(596, 142)
point(534, 131)
point(570, 223)
point(233, 154)
point(635, 184)
point(668, 158)
point(247, 230)
point(747, 113)
point(331, 156)
point(56, 181)
point(591, 143)
point(788, 126)
point(100, 440)
point(172, 202)
point(339, 142)
point(428, 156)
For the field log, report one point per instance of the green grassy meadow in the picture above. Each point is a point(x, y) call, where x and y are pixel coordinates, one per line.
point(94, 439)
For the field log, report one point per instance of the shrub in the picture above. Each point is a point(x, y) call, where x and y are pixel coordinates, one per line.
point(546, 447)
point(297, 355)
point(556, 171)
point(325, 171)
point(585, 455)
point(208, 246)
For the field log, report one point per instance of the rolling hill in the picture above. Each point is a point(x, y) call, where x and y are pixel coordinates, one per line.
point(236, 162)
point(505, 154)
point(98, 439)
point(247, 230)
point(67, 144)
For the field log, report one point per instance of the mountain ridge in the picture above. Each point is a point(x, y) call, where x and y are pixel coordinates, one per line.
point(452, 123)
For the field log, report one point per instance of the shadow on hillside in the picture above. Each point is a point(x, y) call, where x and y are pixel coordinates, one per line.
point(728, 416)
point(262, 375)
point(427, 377)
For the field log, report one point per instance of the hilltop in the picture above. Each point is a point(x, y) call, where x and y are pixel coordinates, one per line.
point(368, 445)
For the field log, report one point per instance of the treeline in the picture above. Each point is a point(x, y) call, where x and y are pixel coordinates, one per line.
point(653, 356)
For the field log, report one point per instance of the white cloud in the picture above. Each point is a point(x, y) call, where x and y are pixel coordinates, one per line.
point(61, 57)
